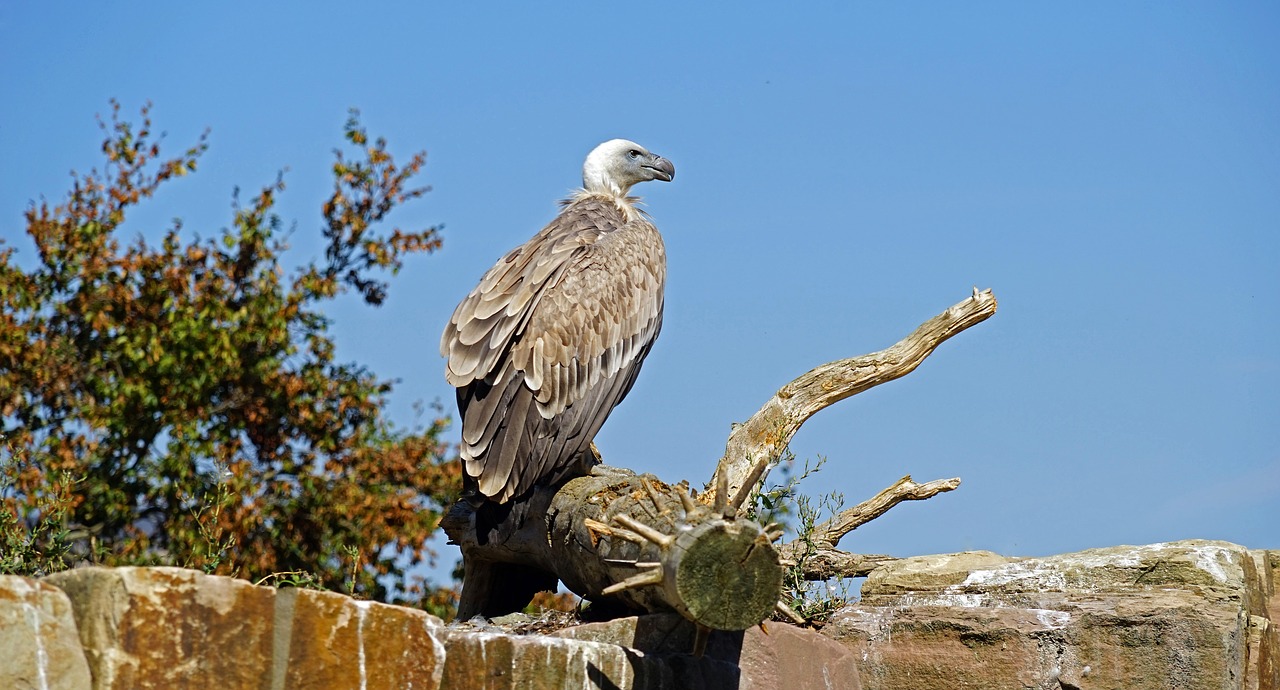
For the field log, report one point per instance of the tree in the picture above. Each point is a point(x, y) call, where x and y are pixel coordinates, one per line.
point(180, 403)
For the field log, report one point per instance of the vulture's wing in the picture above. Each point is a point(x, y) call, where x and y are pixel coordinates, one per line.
point(550, 341)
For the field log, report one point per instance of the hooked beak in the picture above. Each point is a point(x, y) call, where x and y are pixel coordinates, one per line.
point(660, 168)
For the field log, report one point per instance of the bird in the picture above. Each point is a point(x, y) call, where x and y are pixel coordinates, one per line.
point(553, 336)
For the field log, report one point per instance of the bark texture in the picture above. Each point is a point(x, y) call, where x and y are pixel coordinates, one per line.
point(630, 539)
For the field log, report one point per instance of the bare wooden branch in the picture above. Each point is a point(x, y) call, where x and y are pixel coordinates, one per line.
point(651, 575)
point(686, 501)
point(650, 534)
point(825, 563)
point(756, 445)
point(790, 614)
point(817, 555)
point(721, 496)
point(830, 532)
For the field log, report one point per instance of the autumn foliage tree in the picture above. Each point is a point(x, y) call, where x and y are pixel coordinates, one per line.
point(180, 403)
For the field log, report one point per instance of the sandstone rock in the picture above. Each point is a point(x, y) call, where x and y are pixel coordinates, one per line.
point(38, 637)
point(1182, 615)
point(497, 661)
point(929, 573)
point(328, 640)
point(785, 658)
point(1264, 625)
point(1190, 614)
point(169, 627)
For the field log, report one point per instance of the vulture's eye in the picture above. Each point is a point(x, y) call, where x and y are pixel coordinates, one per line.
point(633, 153)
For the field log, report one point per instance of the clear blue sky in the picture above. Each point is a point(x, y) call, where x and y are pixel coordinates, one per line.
point(845, 171)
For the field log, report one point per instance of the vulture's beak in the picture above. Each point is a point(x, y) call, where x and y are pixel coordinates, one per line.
point(660, 168)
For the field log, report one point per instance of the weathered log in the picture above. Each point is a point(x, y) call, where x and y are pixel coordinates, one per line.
point(634, 540)
point(631, 539)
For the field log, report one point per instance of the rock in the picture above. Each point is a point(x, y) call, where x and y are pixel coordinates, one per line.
point(39, 639)
point(650, 652)
point(1190, 614)
point(929, 573)
point(512, 620)
point(169, 627)
point(484, 660)
point(334, 641)
point(1264, 626)
point(786, 657)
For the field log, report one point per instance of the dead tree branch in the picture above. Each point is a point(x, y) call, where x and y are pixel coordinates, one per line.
point(825, 564)
point(817, 554)
point(830, 532)
point(755, 446)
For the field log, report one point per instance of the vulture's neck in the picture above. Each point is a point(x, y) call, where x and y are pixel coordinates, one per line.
point(627, 205)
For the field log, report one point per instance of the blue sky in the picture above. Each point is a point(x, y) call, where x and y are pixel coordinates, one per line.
point(845, 171)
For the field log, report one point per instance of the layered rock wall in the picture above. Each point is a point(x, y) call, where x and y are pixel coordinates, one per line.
point(118, 628)
point(1196, 615)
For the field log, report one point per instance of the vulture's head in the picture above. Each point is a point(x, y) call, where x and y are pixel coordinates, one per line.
point(617, 164)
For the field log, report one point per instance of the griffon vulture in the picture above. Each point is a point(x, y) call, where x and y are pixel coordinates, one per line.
point(554, 335)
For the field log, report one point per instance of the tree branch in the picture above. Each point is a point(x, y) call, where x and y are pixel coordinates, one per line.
point(823, 564)
point(829, 533)
point(755, 446)
point(816, 554)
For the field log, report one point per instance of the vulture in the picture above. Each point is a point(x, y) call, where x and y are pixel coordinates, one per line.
point(554, 335)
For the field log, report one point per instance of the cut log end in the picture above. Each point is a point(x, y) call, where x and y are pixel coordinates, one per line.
point(727, 576)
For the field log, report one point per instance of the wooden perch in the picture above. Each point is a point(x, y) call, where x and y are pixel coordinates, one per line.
point(633, 540)
point(755, 446)
point(627, 538)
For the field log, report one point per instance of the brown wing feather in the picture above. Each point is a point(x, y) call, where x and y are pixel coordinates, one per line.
point(551, 340)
